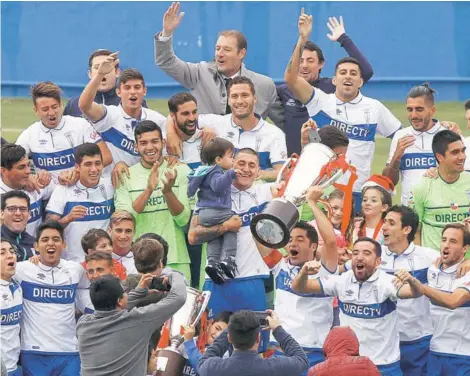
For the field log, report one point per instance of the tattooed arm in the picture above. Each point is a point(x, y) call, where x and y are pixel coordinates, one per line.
point(199, 234)
point(299, 86)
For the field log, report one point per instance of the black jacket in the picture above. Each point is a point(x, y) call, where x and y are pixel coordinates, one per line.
point(23, 243)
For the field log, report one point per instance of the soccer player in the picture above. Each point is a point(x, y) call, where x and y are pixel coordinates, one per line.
point(312, 62)
point(50, 293)
point(16, 173)
point(358, 116)
point(85, 205)
point(208, 80)
point(156, 194)
point(367, 301)
point(52, 140)
point(450, 308)
point(411, 149)
point(311, 310)
point(116, 124)
point(122, 231)
point(11, 308)
point(245, 129)
point(445, 199)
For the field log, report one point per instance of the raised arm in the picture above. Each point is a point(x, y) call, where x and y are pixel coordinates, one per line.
point(299, 87)
point(94, 111)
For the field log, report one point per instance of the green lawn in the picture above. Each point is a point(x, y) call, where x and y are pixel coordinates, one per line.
point(17, 114)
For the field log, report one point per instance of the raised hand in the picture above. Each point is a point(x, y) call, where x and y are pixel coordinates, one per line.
point(336, 28)
point(108, 65)
point(152, 180)
point(171, 19)
point(305, 25)
point(169, 180)
point(314, 194)
point(403, 143)
point(310, 267)
point(77, 212)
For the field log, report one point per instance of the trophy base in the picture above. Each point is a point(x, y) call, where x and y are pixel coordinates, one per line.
point(273, 225)
point(170, 362)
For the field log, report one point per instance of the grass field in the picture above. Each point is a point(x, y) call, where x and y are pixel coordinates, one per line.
point(17, 114)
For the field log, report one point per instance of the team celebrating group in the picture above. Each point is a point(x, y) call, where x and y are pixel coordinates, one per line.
point(99, 197)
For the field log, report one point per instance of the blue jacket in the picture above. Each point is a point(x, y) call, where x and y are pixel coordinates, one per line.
point(214, 185)
point(248, 363)
point(295, 113)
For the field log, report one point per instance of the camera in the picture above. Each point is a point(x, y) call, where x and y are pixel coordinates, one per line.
point(157, 284)
point(262, 317)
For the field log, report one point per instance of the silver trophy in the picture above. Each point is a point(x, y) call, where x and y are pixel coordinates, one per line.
point(169, 361)
point(317, 165)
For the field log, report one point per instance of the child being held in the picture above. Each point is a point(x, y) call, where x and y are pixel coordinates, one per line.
point(214, 181)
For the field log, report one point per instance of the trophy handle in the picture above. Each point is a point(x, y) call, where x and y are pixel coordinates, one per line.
point(205, 296)
point(294, 157)
point(331, 180)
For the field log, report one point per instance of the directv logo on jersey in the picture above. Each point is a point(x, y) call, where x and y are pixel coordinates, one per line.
point(368, 311)
point(248, 216)
point(356, 132)
point(417, 161)
point(54, 161)
point(12, 316)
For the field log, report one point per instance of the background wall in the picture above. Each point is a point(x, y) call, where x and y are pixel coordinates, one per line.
point(406, 42)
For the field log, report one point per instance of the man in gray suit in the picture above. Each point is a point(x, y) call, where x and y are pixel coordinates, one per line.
point(208, 80)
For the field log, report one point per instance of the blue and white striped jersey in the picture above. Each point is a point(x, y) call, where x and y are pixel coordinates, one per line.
point(99, 202)
point(361, 119)
point(11, 311)
point(49, 295)
point(52, 149)
point(370, 309)
point(451, 329)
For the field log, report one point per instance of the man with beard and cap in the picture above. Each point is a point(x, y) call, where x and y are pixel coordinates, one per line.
point(360, 117)
point(312, 62)
point(367, 301)
point(450, 305)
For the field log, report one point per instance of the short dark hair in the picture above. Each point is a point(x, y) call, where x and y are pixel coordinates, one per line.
point(223, 316)
point(50, 224)
point(87, 149)
point(377, 246)
point(215, 148)
point(441, 141)
point(312, 234)
point(46, 89)
point(348, 59)
point(242, 43)
point(333, 137)
point(14, 194)
point(158, 238)
point(90, 239)
point(467, 104)
point(105, 292)
point(310, 46)
point(11, 154)
point(423, 90)
point(99, 256)
point(247, 151)
point(243, 328)
point(239, 80)
point(147, 126)
point(408, 218)
point(2, 239)
point(148, 255)
point(130, 74)
point(461, 227)
point(178, 99)
point(99, 52)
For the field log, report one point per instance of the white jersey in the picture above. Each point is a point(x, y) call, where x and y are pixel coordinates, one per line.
point(11, 311)
point(451, 327)
point(361, 119)
point(117, 130)
point(35, 207)
point(52, 149)
point(416, 159)
point(414, 320)
point(49, 295)
point(127, 261)
point(466, 142)
point(248, 204)
point(300, 311)
point(99, 202)
point(265, 138)
point(370, 309)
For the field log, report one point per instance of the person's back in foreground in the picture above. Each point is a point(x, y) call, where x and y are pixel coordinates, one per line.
point(244, 334)
point(341, 349)
point(114, 340)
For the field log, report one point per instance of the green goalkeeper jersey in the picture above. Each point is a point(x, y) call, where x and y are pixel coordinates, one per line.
point(439, 203)
point(156, 216)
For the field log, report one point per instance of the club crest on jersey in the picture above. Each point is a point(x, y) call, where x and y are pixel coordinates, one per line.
point(454, 206)
point(94, 135)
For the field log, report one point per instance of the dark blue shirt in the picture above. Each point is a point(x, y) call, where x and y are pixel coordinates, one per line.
point(295, 113)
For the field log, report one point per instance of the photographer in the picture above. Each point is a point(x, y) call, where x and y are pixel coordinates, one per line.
point(121, 329)
point(243, 334)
